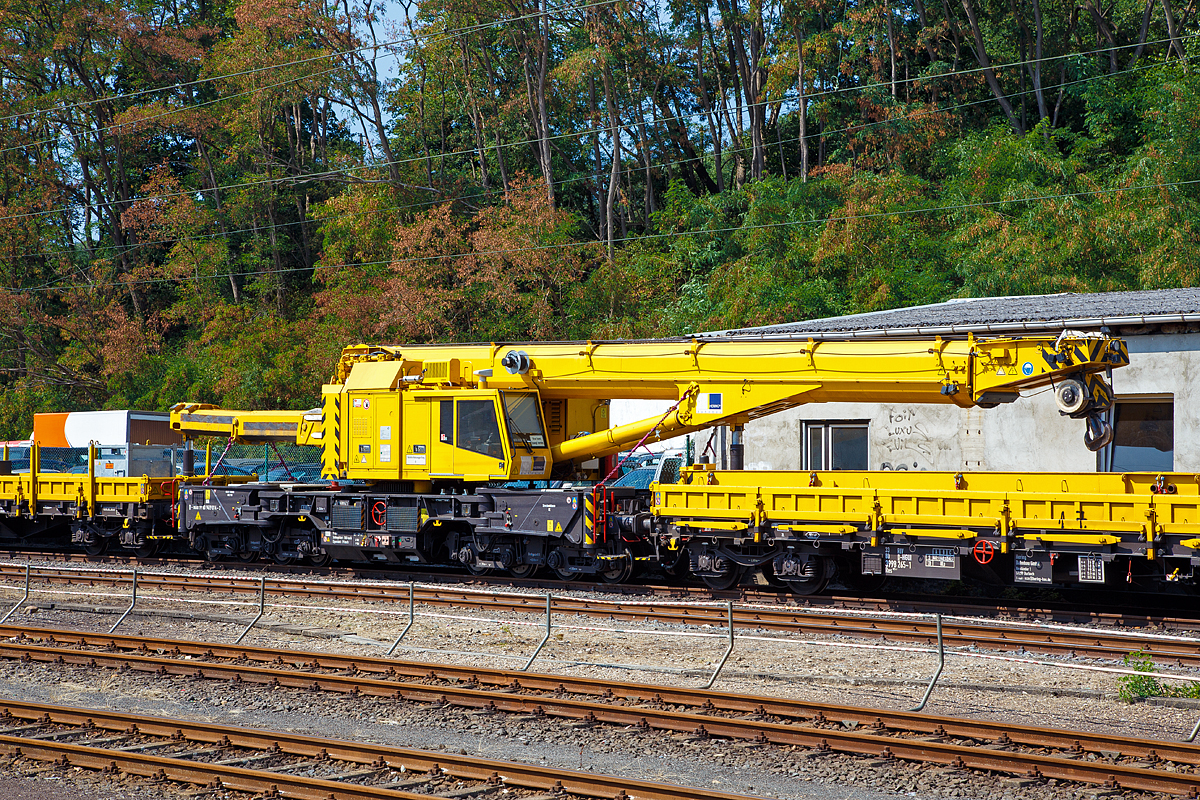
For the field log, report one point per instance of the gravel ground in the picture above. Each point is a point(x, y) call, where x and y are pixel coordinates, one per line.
point(827, 668)
point(75, 784)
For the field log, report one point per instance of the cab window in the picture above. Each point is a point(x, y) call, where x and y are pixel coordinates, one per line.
point(524, 422)
point(446, 422)
point(478, 430)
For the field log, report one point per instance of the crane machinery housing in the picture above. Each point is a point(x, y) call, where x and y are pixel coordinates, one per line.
point(434, 453)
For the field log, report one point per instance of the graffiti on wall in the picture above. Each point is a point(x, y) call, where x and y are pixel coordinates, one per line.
point(905, 443)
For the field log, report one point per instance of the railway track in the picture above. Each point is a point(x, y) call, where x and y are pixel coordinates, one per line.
point(819, 728)
point(272, 763)
point(1006, 637)
point(1150, 616)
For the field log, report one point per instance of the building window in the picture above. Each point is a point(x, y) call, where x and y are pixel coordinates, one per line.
point(835, 445)
point(1143, 436)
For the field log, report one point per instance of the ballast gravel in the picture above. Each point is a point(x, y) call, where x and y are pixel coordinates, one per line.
point(1030, 690)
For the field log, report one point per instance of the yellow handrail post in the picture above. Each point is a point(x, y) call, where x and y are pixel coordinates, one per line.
point(92, 480)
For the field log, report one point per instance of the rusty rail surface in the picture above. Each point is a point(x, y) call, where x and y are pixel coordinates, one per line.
point(26, 718)
point(943, 740)
point(1060, 612)
point(1013, 637)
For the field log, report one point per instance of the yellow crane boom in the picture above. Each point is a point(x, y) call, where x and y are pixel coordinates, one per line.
point(478, 412)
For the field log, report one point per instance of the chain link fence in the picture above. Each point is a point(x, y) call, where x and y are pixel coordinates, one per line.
point(282, 462)
point(53, 459)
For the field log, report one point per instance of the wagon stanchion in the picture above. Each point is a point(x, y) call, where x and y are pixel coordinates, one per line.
point(262, 607)
point(12, 610)
point(132, 603)
point(941, 664)
point(545, 638)
point(728, 650)
point(407, 627)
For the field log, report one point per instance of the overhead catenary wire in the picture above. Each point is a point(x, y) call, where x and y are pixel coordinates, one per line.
point(219, 276)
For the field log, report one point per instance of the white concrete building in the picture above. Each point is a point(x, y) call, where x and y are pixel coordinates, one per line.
point(1156, 418)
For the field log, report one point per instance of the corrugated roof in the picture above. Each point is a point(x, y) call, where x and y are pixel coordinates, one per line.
point(1029, 312)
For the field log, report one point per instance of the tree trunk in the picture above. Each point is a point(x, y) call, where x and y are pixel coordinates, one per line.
point(714, 128)
point(216, 192)
point(476, 116)
point(981, 55)
point(1173, 31)
point(543, 116)
point(803, 104)
point(493, 94)
point(891, 34)
point(691, 164)
point(614, 129)
point(747, 39)
point(644, 151)
point(597, 175)
point(1036, 72)
point(1032, 42)
point(1142, 34)
point(536, 66)
point(1104, 29)
point(735, 130)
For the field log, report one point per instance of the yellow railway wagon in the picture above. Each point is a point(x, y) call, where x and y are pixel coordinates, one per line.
point(140, 511)
point(1029, 517)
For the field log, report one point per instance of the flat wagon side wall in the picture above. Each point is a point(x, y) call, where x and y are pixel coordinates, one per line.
point(1027, 516)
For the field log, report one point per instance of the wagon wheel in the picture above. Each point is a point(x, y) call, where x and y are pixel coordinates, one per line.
point(726, 580)
point(618, 569)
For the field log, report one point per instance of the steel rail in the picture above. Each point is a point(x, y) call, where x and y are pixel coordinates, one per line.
point(1009, 637)
point(1063, 613)
point(761, 718)
point(478, 769)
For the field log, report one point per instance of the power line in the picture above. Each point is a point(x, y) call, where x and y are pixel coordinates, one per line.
point(647, 237)
point(448, 33)
point(328, 174)
point(791, 140)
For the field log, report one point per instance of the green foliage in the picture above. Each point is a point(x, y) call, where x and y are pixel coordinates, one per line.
point(1139, 687)
point(1132, 688)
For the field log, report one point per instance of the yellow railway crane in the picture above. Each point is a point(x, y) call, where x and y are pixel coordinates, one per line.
point(419, 440)
point(518, 410)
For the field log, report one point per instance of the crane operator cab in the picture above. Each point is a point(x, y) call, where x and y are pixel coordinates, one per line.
point(435, 435)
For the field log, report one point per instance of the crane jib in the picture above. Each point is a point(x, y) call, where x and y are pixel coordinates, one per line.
point(444, 414)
